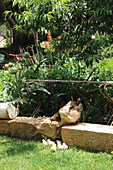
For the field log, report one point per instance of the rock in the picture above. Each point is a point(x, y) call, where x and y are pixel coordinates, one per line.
point(91, 136)
point(31, 128)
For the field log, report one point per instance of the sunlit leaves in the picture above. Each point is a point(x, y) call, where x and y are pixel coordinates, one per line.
point(7, 12)
point(15, 2)
point(75, 21)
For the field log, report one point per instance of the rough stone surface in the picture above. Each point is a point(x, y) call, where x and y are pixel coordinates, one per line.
point(31, 128)
point(85, 135)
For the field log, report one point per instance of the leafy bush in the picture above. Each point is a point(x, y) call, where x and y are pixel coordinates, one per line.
point(53, 96)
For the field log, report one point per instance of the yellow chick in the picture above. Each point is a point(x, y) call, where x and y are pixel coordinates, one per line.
point(65, 146)
point(45, 143)
point(50, 142)
point(53, 148)
point(58, 141)
point(60, 147)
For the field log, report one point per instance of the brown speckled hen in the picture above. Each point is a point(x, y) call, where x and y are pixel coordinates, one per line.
point(70, 113)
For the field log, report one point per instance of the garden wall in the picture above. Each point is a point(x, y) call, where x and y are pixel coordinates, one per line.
point(92, 136)
point(30, 128)
point(85, 135)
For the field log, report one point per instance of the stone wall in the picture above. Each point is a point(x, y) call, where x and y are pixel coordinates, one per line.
point(92, 136)
point(30, 128)
point(85, 135)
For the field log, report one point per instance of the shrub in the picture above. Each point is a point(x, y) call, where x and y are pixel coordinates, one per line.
point(53, 96)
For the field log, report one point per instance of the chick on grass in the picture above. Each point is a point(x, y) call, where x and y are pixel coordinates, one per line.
point(60, 146)
point(45, 143)
point(53, 148)
point(50, 142)
point(65, 146)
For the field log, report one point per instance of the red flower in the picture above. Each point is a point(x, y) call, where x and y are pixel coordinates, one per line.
point(47, 45)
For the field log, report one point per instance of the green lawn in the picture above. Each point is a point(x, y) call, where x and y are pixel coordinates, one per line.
point(17, 154)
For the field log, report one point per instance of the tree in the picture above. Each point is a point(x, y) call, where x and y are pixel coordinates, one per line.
point(21, 38)
point(75, 21)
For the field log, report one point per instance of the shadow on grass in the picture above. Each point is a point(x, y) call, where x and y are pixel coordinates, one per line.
point(87, 150)
point(13, 146)
point(19, 148)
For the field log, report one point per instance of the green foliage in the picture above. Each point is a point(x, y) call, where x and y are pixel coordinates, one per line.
point(79, 50)
point(55, 95)
point(74, 21)
point(12, 85)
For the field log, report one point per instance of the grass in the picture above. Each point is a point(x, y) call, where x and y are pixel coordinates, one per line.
point(16, 154)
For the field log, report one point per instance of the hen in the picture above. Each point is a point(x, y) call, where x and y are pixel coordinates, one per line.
point(70, 113)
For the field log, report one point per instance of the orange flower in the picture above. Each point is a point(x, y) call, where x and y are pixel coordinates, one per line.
point(43, 70)
point(49, 37)
point(47, 45)
point(59, 37)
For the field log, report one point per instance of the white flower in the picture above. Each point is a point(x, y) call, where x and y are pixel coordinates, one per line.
point(93, 37)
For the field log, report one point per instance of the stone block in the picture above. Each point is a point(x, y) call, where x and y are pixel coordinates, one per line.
point(31, 128)
point(92, 136)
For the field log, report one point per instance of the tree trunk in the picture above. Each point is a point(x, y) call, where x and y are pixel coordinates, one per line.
point(20, 39)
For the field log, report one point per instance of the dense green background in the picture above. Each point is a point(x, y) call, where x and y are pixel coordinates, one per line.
point(84, 52)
